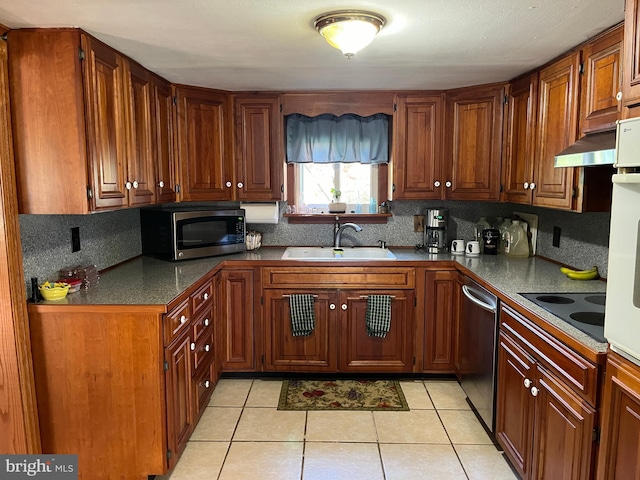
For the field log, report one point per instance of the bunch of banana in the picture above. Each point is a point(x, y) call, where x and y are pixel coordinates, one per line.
point(590, 274)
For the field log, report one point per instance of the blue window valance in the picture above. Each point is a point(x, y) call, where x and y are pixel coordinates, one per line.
point(331, 139)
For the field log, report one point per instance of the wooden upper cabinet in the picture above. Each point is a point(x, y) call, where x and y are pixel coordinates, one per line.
point(204, 156)
point(601, 82)
point(259, 146)
point(474, 143)
point(557, 129)
point(518, 159)
point(631, 66)
point(417, 147)
point(141, 168)
point(163, 136)
point(106, 123)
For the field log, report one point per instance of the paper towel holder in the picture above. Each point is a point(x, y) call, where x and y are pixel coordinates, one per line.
point(261, 212)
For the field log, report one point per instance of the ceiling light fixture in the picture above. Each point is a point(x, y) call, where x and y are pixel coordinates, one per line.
point(349, 31)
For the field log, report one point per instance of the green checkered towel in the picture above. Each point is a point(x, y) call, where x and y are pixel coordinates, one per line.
point(303, 319)
point(378, 315)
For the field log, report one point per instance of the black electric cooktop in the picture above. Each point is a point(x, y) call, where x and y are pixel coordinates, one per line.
point(585, 311)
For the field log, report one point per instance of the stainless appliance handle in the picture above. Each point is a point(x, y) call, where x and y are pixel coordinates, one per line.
point(485, 306)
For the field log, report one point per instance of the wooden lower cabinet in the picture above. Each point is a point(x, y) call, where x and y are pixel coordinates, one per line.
point(339, 341)
point(237, 338)
point(440, 313)
point(545, 427)
point(620, 439)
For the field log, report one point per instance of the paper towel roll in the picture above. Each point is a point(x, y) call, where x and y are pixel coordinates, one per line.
point(261, 212)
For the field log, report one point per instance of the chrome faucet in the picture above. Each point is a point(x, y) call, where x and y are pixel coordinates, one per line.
point(337, 233)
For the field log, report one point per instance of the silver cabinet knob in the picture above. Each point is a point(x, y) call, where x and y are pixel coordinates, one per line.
point(534, 391)
point(207, 347)
point(206, 322)
point(332, 306)
point(436, 184)
point(526, 185)
point(161, 184)
point(193, 346)
point(227, 184)
point(527, 383)
point(205, 296)
point(240, 184)
point(127, 185)
point(135, 184)
point(447, 184)
point(344, 306)
point(182, 319)
point(532, 185)
point(207, 383)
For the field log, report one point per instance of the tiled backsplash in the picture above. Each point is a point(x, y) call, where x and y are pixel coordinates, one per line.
point(112, 237)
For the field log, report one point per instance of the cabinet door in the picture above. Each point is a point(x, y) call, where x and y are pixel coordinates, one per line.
point(519, 144)
point(557, 129)
point(620, 440)
point(203, 145)
point(361, 353)
point(474, 143)
point(601, 82)
point(179, 402)
point(631, 75)
point(106, 125)
point(259, 147)
point(140, 163)
point(163, 140)
point(515, 404)
point(313, 353)
point(563, 431)
point(236, 308)
point(439, 325)
point(417, 148)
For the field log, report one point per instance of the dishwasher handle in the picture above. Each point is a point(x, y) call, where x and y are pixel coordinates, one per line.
point(485, 306)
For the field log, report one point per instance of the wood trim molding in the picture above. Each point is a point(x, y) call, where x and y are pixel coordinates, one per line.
point(18, 413)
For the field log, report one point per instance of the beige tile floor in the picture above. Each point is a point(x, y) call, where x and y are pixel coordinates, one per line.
point(242, 435)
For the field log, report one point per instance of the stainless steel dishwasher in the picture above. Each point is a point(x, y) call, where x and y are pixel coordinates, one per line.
point(477, 349)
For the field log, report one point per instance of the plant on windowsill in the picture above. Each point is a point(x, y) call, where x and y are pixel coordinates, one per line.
point(335, 206)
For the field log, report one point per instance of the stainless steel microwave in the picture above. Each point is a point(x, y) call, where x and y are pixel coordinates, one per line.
point(180, 234)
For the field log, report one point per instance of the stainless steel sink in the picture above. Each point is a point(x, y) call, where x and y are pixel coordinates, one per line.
point(330, 253)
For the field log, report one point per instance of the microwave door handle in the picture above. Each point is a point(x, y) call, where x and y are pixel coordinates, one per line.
point(626, 178)
point(485, 306)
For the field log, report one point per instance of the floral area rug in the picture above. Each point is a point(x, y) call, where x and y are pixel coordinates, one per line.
point(342, 395)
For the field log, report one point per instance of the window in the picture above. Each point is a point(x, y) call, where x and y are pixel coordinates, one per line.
point(357, 182)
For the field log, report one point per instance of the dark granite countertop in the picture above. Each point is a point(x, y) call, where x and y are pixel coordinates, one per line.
point(148, 281)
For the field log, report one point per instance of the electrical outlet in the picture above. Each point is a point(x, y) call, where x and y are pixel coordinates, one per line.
point(556, 236)
point(75, 239)
point(418, 223)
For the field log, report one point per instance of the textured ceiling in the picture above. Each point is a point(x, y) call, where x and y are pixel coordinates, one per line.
point(272, 44)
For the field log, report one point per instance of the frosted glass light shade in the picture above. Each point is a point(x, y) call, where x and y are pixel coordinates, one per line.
point(349, 32)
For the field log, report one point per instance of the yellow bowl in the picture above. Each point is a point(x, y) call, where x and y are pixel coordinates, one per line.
point(54, 291)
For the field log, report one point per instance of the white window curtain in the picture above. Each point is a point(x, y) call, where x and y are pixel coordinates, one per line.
point(331, 139)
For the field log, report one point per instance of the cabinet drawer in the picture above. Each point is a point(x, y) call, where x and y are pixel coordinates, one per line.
point(572, 368)
point(203, 384)
point(176, 321)
point(332, 277)
point(202, 351)
point(202, 297)
point(202, 323)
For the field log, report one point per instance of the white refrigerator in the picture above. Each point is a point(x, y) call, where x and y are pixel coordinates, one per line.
point(622, 310)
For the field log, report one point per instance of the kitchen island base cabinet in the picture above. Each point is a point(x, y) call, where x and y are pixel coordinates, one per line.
point(620, 439)
point(545, 427)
